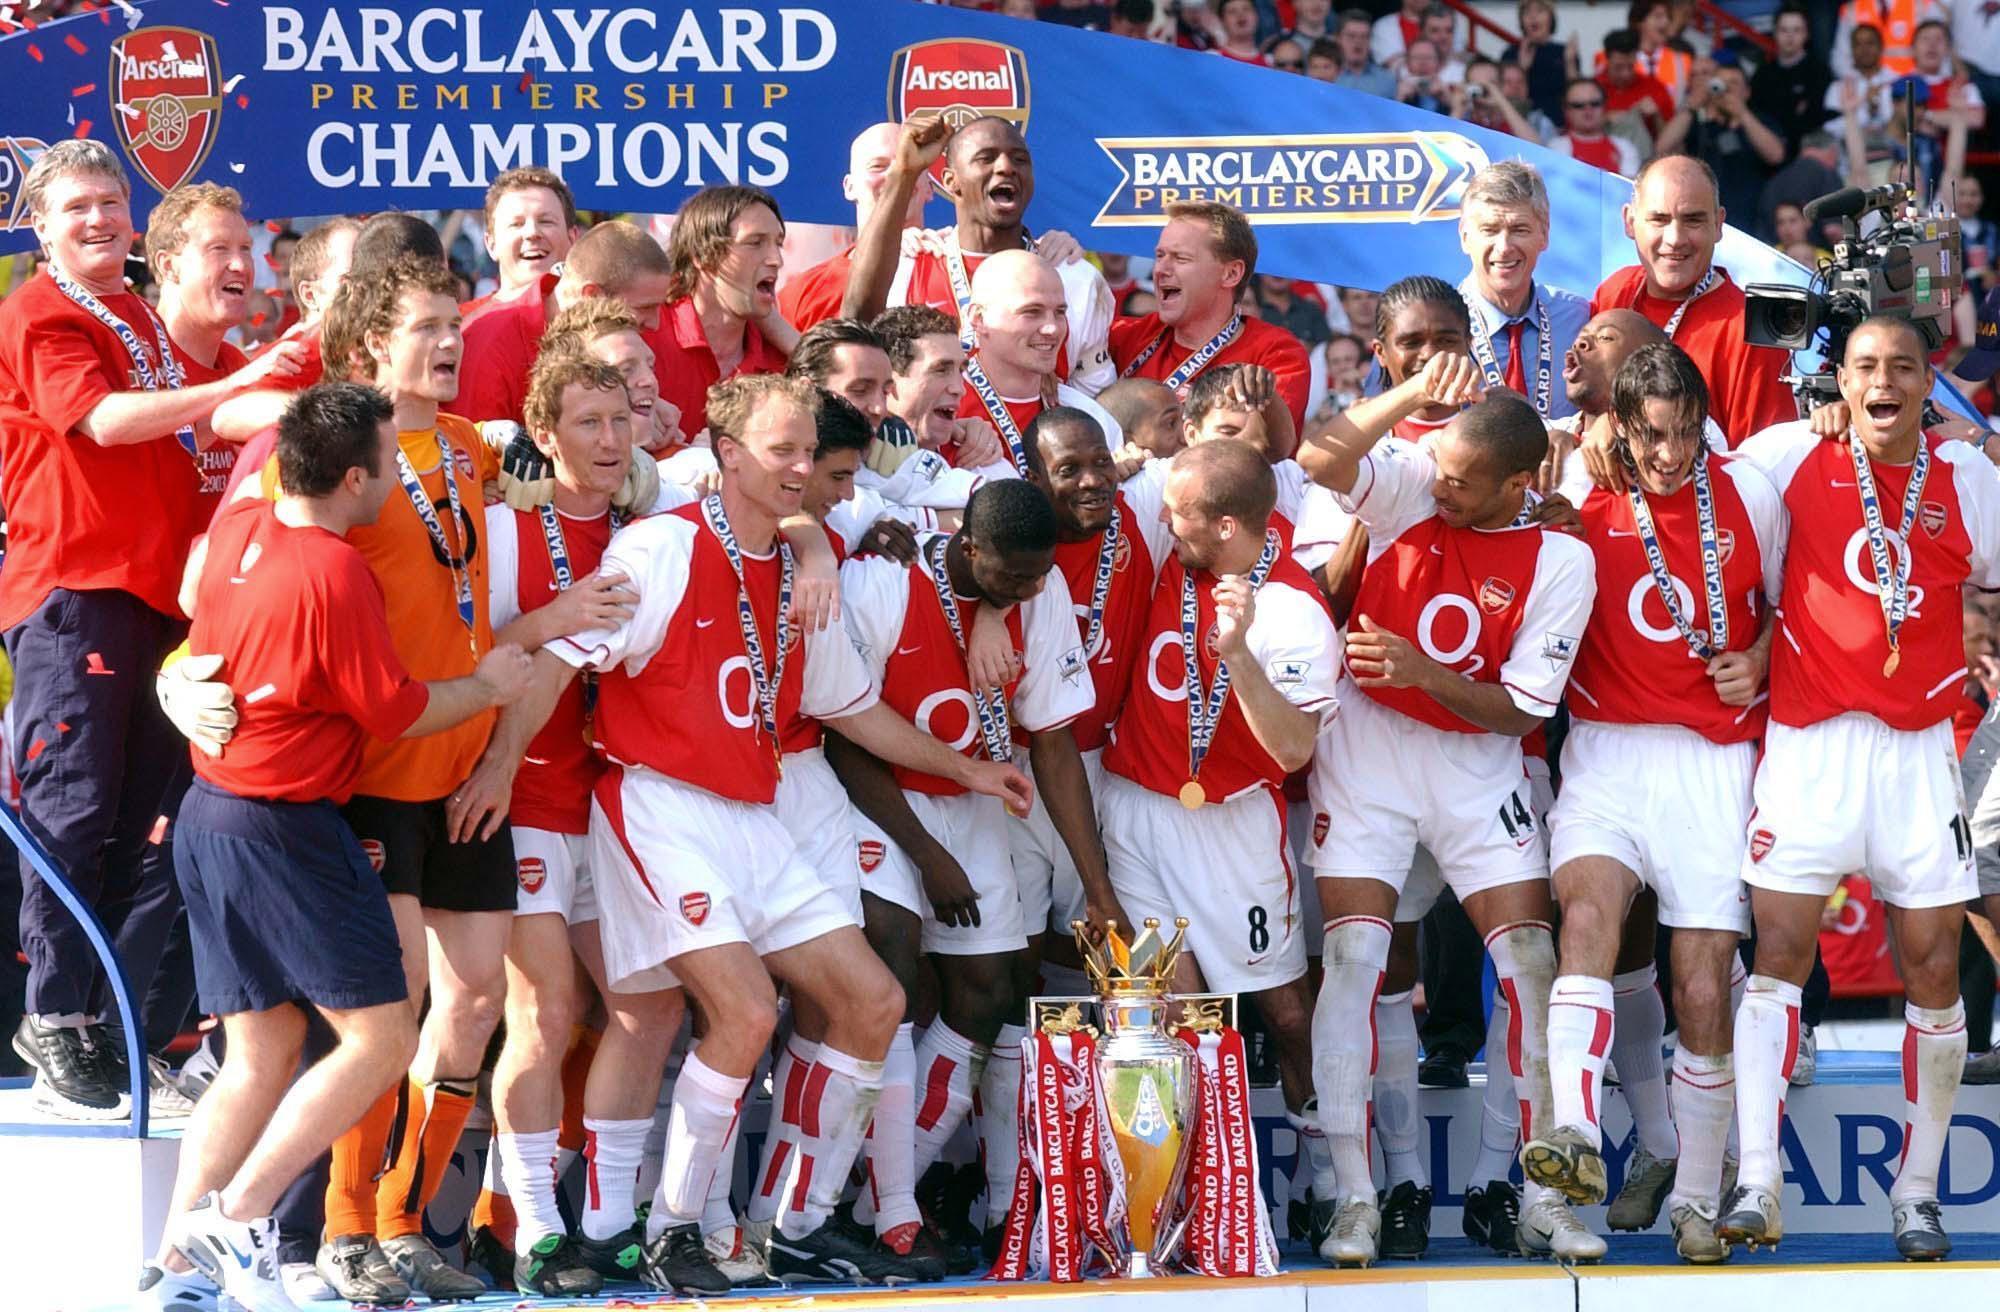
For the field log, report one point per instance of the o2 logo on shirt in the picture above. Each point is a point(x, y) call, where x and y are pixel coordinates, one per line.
point(1427, 631)
point(1861, 569)
point(1644, 593)
point(928, 708)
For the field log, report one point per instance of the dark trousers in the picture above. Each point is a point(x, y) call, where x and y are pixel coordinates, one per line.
point(99, 763)
point(1451, 962)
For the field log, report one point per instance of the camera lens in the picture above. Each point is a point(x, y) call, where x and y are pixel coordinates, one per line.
point(1715, 86)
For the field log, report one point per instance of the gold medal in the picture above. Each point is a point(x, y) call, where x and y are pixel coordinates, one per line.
point(1889, 666)
point(1193, 795)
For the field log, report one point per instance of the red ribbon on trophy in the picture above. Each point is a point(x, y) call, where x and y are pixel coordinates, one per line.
point(1229, 1228)
point(1068, 1200)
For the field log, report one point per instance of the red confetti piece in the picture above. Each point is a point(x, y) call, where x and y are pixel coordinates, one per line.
point(242, 101)
point(35, 53)
point(83, 90)
point(75, 42)
point(83, 128)
point(527, 80)
point(274, 226)
point(6, 28)
point(37, 747)
point(257, 319)
point(62, 726)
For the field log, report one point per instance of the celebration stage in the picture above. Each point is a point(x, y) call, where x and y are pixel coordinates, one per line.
point(85, 1208)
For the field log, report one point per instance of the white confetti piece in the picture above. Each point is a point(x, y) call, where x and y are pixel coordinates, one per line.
point(230, 85)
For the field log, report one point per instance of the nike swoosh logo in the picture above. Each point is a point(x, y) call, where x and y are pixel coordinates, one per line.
point(909, 651)
point(1834, 482)
point(1436, 551)
point(554, 586)
point(1621, 533)
point(702, 624)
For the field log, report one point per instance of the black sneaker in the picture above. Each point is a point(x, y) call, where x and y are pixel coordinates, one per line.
point(918, 1248)
point(835, 1254)
point(1491, 1214)
point(358, 1272)
point(1406, 1221)
point(678, 1262)
point(1444, 1069)
point(553, 1269)
point(488, 1254)
point(619, 1258)
point(72, 1078)
point(947, 1207)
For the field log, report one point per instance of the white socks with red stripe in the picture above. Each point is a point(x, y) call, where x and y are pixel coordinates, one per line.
point(719, 1213)
point(706, 1103)
point(890, 1199)
point(528, 1165)
point(1704, 1103)
point(1396, 1121)
point(611, 1151)
point(1933, 1062)
point(1499, 1110)
point(787, 1082)
point(945, 1061)
point(834, 1110)
point(1638, 1047)
point(1356, 952)
point(998, 1118)
point(1767, 1041)
point(1581, 1021)
point(1524, 956)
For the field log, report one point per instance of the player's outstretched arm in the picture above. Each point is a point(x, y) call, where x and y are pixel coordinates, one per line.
point(1380, 659)
point(476, 807)
point(1066, 794)
point(1281, 729)
point(127, 418)
point(501, 677)
point(878, 247)
point(875, 793)
point(887, 736)
point(1332, 456)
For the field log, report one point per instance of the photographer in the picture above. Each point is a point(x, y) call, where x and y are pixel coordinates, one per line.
point(1478, 100)
point(1716, 125)
point(1420, 85)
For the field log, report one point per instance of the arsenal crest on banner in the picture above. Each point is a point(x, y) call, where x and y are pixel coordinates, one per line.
point(960, 80)
point(166, 100)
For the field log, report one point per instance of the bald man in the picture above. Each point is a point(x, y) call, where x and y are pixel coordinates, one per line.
point(1674, 220)
point(990, 177)
point(1150, 414)
point(1019, 316)
point(1581, 442)
point(615, 258)
point(816, 294)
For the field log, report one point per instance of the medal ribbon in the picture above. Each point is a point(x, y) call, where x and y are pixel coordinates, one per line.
point(1709, 281)
point(994, 725)
point(1489, 363)
point(1704, 644)
point(1892, 586)
point(1205, 710)
point(167, 377)
point(997, 411)
point(1100, 583)
point(1194, 364)
point(768, 679)
point(420, 501)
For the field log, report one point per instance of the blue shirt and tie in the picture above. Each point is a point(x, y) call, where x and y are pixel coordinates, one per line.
point(1567, 313)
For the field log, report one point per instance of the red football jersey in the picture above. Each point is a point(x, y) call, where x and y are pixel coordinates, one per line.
point(1142, 544)
point(1260, 343)
point(1502, 606)
point(1832, 640)
point(1634, 667)
point(686, 368)
point(815, 295)
point(675, 691)
point(502, 340)
point(900, 628)
point(298, 618)
point(1291, 638)
point(1745, 393)
point(552, 790)
point(79, 515)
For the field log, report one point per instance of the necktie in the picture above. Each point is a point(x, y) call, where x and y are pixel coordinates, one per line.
point(1517, 374)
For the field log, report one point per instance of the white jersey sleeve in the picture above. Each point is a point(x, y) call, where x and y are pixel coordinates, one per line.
point(850, 519)
point(1391, 492)
point(503, 565)
point(922, 480)
point(874, 595)
point(1292, 481)
point(1146, 493)
point(1978, 485)
point(1055, 684)
point(1779, 450)
point(1538, 665)
point(1297, 647)
point(1320, 529)
point(1767, 518)
point(837, 682)
point(1091, 310)
point(656, 555)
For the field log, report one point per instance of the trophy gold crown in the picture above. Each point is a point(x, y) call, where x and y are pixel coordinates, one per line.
point(1143, 967)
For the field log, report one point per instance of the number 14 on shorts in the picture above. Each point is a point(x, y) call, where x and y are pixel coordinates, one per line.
point(1518, 820)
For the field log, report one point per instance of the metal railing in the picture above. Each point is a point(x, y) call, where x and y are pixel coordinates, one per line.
point(1481, 23)
point(114, 972)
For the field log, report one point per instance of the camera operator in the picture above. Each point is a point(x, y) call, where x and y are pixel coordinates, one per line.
point(1421, 85)
point(1716, 125)
point(1478, 100)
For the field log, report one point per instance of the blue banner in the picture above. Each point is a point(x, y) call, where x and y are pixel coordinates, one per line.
point(314, 108)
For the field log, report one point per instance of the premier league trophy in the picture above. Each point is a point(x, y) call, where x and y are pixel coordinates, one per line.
point(1138, 1156)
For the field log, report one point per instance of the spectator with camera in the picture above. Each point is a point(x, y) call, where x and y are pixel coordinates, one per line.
point(1716, 124)
point(1479, 100)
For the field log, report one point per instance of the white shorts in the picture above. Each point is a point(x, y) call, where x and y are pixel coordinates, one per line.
point(1051, 890)
point(679, 868)
point(1667, 804)
point(973, 828)
point(1851, 794)
point(1223, 866)
point(554, 874)
point(1384, 785)
point(814, 810)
